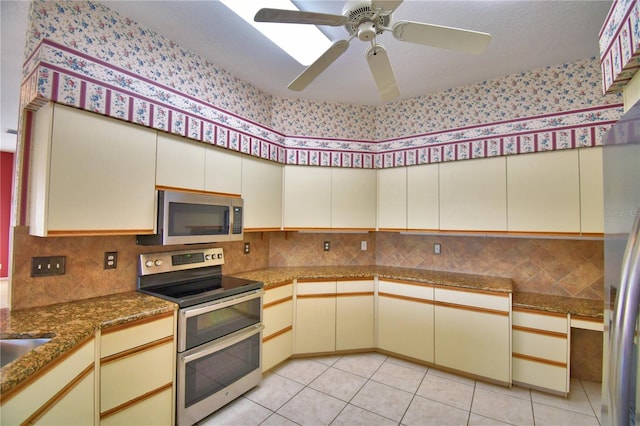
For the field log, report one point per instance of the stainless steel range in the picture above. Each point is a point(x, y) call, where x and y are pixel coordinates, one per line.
point(219, 327)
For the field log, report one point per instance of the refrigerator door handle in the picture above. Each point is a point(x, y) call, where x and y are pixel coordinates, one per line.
point(622, 331)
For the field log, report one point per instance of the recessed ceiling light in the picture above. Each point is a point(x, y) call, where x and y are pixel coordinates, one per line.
point(304, 43)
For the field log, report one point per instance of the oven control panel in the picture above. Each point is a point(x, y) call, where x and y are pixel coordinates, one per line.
point(154, 263)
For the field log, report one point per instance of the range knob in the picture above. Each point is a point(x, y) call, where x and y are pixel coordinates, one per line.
point(149, 263)
point(219, 255)
point(158, 262)
point(207, 257)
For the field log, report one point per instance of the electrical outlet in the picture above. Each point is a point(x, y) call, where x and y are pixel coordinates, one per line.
point(247, 248)
point(327, 246)
point(47, 266)
point(110, 259)
point(437, 248)
point(363, 245)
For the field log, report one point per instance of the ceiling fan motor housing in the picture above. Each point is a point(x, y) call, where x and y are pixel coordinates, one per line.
point(361, 22)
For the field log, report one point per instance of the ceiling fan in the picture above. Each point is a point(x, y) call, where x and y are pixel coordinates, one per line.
point(365, 20)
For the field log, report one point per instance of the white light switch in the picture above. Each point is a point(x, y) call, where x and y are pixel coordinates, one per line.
point(363, 245)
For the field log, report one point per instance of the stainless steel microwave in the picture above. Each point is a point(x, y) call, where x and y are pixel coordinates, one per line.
point(191, 218)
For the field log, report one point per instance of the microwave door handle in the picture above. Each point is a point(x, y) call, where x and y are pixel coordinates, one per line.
point(623, 327)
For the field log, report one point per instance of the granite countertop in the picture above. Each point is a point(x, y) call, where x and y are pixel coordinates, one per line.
point(274, 276)
point(68, 325)
point(587, 308)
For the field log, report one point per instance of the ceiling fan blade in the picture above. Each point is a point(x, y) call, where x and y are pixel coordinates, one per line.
point(466, 41)
point(299, 17)
point(321, 64)
point(386, 5)
point(382, 72)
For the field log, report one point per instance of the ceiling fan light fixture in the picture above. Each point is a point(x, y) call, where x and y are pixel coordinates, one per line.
point(304, 43)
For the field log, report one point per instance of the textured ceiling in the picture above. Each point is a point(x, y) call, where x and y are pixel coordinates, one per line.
point(525, 35)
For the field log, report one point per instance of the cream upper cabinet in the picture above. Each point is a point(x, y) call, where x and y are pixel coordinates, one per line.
point(392, 198)
point(90, 174)
point(62, 394)
point(591, 190)
point(307, 197)
point(353, 198)
point(423, 204)
point(473, 195)
point(180, 163)
point(544, 192)
point(222, 171)
point(262, 194)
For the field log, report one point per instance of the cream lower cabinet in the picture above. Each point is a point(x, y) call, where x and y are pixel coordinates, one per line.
point(137, 372)
point(90, 175)
point(473, 332)
point(277, 317)
point(63, 394)
point(355, 315)
point(405, 319)
point(315, 319)
point(541, 350)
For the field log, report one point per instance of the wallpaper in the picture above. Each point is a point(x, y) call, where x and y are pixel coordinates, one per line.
point(84, 54)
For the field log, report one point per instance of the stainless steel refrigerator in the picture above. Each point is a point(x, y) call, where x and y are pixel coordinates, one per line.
point(621, 162)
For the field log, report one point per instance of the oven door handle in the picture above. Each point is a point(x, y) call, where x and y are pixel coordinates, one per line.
point(221, 343)
point(233, 300)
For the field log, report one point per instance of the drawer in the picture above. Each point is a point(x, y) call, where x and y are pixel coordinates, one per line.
point(542, 346)
point(484, 300)
point(121, 338)
point(277, 293)
point(277, 317)
point(403, 288)
point(532, 373)
point(541, 321)
point(359, 286)
point(316, 287)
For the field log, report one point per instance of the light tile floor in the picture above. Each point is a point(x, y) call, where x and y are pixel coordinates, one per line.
point(374, 389)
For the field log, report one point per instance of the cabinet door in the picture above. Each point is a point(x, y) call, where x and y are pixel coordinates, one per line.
point(392, 199)
point(544, 192)
point(423, 204)
point(353, 198)
point(315, 320)
point(91, 174)
point(472, 333)
point(262, 194)
point(222, 171)
point(180, 163)
point(137, 369)
point(63, 394)
point(473, 195)
point(307, 197)
point(277, 317)
point(405, 319)
point(591, 190)
point(354, 315)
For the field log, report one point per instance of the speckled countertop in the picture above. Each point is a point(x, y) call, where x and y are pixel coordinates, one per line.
point(581, 307)
point(69, 324)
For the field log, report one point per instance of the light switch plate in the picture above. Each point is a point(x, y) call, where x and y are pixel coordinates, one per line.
point(437, 248)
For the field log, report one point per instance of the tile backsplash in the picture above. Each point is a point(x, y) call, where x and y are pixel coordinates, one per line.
point(550, 266)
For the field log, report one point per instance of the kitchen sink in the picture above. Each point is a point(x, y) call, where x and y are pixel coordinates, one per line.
point(12, 349)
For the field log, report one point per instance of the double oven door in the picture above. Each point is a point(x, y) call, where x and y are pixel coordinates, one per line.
point(219, 354)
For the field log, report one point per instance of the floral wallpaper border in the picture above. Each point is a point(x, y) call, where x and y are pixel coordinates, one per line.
point(619, 40)
point(60, 74)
